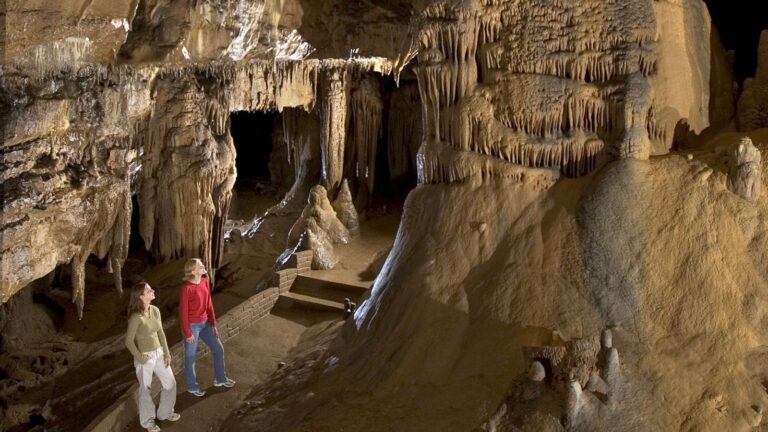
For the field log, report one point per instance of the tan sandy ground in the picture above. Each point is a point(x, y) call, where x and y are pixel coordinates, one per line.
point(250, 357)
point(254, 354)
point(99, 370)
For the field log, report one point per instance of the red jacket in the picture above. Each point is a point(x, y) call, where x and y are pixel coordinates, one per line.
point(195, 305)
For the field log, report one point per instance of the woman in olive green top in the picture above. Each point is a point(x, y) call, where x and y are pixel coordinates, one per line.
point(145, 339)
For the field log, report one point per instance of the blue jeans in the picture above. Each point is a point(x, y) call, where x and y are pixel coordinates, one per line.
point(203, 331)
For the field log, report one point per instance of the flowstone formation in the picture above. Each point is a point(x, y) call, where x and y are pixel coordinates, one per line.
point(545, 84)
point(510, 246)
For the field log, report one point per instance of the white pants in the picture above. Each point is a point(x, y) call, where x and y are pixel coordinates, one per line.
point(155, 365)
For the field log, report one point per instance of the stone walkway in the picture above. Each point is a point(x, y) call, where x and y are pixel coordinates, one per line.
point(251, 356)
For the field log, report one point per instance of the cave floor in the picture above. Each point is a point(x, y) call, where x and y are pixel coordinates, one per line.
point(100, 369)
point(250, 357)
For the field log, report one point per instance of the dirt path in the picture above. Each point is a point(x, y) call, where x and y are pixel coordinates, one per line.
point(251, 357)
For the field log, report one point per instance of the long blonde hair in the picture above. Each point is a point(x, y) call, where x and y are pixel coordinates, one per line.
point(135, 305)
point(190, 266)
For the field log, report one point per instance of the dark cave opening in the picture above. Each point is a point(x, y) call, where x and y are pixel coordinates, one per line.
point(739, 28)
point(397, 142)
point(252, 135)
point(401, 101)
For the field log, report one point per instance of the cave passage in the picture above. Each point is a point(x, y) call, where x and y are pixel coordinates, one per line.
point(389, 143)
point(739, 28)
point(251, 133)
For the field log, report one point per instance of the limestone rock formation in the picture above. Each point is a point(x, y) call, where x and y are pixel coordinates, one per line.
point(698, 90)
point(365, 127)
point(319, 209)
point(161, 130)
point(536, 372)
point(318, 241)
point(745, 170)
point(539, 218)
point(753, 103)
point(281, 165)
point(321, 229)
point(345, 210)
point(403, 133)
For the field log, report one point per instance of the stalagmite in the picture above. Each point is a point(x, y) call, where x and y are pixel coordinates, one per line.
point(574, 402)
point(320, 210)
point(317, 240)
point(536, 371)
point(345, 210)
point(597, 384)
point(745, 170)
point(612, 369)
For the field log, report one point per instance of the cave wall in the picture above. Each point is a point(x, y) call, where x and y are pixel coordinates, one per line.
point(753, 103)
point(102, 99)
point(496, 252)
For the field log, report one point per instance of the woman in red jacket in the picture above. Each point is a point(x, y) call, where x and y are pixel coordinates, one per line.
point(198, 321)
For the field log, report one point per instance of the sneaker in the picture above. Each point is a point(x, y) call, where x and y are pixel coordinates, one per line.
point(152, 427)
point(228, 383)
point(198, 393)
point(172, 418)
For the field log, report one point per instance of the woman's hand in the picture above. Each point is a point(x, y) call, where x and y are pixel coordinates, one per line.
point(190, 339)
point(144, 359)
point(216, 332)
point(167, 360)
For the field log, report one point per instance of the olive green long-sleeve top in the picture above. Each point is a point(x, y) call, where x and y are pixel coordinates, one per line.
point(145, 333)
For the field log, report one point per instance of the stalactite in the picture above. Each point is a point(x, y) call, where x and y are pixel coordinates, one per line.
point(217, 110)
point(301, 133)
point(78, 282)
point(445, 165)
point(162, 127)
point(559, 82)
point(121, 234)
point(108, 232)
point(365, 127)
point(660, 131)
point(334, 126)
point(188, 170)
point(43, 62)
point(296, 84)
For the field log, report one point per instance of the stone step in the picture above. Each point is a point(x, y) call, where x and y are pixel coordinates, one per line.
point(293, 299)
point(334, 290)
